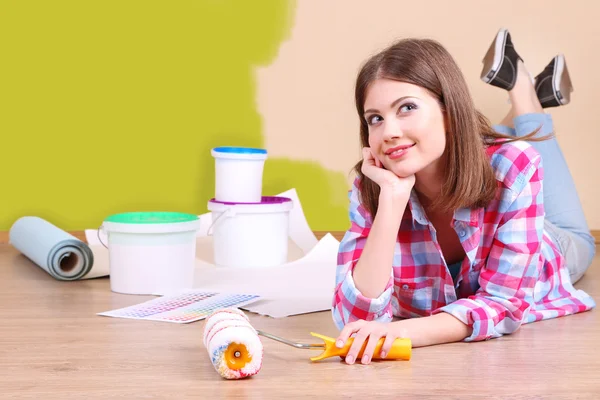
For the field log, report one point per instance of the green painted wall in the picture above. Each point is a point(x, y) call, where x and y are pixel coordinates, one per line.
point(111, 106)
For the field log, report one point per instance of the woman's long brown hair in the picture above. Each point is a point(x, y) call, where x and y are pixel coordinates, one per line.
point(469, 180)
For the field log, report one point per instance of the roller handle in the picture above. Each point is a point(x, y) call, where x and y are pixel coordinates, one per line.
point(401, 349)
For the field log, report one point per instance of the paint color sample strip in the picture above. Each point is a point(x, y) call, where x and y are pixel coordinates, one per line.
point(182, 308)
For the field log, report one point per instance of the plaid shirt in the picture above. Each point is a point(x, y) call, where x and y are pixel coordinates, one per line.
point(513, 272)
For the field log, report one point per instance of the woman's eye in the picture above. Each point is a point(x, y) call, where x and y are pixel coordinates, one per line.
point(408, 107)
point(373, 119)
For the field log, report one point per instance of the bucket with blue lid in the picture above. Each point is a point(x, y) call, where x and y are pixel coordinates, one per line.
point(249, 229)
point(151, 253)
point(239, 173)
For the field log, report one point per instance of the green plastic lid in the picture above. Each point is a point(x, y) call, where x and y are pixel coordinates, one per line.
point(151, 217)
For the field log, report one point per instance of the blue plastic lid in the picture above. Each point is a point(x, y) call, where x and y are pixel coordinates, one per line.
point(239, 150)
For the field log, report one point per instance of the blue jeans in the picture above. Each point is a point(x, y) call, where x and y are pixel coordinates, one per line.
point(565, 220)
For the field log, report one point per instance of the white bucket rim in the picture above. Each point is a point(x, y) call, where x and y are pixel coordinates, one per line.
point(268, 204)
point(114, 227)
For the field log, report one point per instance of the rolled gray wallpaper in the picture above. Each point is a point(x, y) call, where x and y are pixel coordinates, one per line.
point(59, 253)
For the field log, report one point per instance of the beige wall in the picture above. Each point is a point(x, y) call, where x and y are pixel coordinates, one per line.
point(305, 96)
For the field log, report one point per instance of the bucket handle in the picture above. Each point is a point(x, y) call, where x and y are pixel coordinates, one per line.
point(230, 212)
point(99, 238)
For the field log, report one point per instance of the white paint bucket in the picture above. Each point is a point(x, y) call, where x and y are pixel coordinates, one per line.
point(151, 252)
point(239, 174)
point(251, 234)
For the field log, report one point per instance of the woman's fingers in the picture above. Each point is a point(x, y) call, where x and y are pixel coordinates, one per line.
point(367, 335)
point(359, 339)
point(387, 345)
point(377, 162)
point(367, 355)
point(368, 156)
point(348, 330)
point(389, 342)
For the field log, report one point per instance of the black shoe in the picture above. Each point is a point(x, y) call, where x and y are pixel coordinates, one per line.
point(500, 62)
point(553, 85)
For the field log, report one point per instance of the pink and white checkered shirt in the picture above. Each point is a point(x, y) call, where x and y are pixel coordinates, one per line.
point(513, 272)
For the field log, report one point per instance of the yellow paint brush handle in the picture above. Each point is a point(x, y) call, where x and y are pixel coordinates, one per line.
point(401, 349)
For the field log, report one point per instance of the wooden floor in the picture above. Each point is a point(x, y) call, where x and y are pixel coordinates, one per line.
point(53, 346)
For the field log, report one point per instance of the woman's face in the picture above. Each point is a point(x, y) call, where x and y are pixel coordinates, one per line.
point(406, 126)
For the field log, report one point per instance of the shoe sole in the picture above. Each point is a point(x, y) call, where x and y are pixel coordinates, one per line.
point(494, 56)
point(561, 81)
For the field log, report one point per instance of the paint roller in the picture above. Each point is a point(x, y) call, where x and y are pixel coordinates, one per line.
point(233, 345)
point(236, 351)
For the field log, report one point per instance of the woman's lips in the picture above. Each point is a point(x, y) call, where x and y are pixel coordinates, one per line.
point(399, 151)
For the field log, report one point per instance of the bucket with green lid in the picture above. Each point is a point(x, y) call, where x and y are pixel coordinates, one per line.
point(151, 253)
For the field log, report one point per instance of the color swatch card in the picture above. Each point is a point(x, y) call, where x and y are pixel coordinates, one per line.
point(182, 308)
